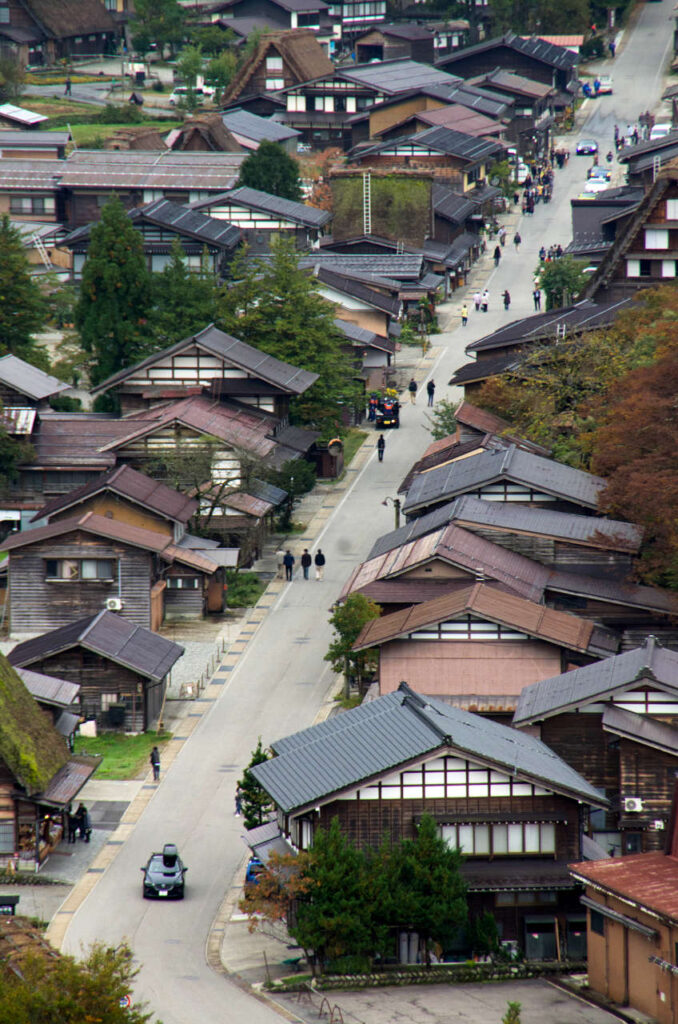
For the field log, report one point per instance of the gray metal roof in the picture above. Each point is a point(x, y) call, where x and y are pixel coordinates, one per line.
point(451, 205)
point(284, 376)
point(547, 53)
point(394, 76)
point(641, 729)
point(49, 689)
point(30, 139)
point(599, 681)
point(358, 290)
point(20, 114)
point(583, 316)
point(251, 126)
point(356, 746)
point(397, 266)
point(515, 465)
point(28, 379)
point(254, 199)
point(441, 139)
point(111, 636)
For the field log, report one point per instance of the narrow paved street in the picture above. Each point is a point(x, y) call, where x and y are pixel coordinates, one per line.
point(281, 680)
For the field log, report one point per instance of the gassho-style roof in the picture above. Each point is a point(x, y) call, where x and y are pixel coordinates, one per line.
point(255, 199)
point(323, 762)
point(488, 603)
point(185, 221)
point(28, 379)
point(545, 476)
point(651, 664)
point(113, 529)
point(133, 647)
point(288, 378)
point(130, 484)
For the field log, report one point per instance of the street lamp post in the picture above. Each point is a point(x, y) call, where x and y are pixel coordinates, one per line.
point(396, 508)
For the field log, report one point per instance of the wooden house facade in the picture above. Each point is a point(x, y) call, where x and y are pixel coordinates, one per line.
point(516, 825)
point(616, 722)
point(122, 669)
point(38, 32)
point(532, 58)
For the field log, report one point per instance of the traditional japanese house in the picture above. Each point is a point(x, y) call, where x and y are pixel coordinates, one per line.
point(249, 130)
point(76, 566)
point(207, 244)
point(512, 475)
point(121, 668)
point(479, 645)
point(33, 144)
point(373, 353)
point(12, 116)
point(280, 60)
point(632, 929)
point(514, 808)
point(392, 42)
point(39, 32)
point(358, 303)
point(261, 217)
point(616, 722)
point(532, 125)
point(38, 776)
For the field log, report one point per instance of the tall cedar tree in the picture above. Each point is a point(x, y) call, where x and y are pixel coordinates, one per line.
point(276, 308)
point(272, 170)
point(115, 295)
point(256, 803)
point(158, 21)
point(184, 302)
point(22, 306)
point(70, 991)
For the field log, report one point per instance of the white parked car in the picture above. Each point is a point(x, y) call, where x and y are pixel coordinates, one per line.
point(660, 130)
point(180, 94)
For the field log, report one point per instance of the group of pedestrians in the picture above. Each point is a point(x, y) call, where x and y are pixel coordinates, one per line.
point(554, 252)
point(287, 561)
point(481, 300)
point(79, 823)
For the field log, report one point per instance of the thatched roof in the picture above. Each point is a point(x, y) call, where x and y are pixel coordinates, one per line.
point(19, 941)
point(62, 19)
point(300, 50)
point(30, 746)
point(204, 131)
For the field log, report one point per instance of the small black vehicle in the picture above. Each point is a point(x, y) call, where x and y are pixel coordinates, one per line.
point(388, 413)
point(164, 874)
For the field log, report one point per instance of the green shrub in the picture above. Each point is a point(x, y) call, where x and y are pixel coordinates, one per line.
point(244, 589)
point(592, 49)
point(158, 86)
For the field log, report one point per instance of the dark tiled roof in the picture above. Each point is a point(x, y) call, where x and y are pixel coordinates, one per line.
point(409, 30)
point(390, 77)
point(451, 205)
point(442, 140)
point(543, 475)
point(481, 369)
point(359, 336)
point(251, 126)
point(641, 729)
point(548, 53)
point(239, 353)
point(370, 296)
point(651, 663)
point(350, 749)
point(288, 209)
point(583, 316)
point(111, 636)
point(138, 487)
point(516, 83)
point(28, 379)
point(174, 217)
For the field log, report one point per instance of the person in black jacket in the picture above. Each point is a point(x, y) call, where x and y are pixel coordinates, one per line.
point(319, 564)
point(306, 562)
point(288, 562)
point(155, 762)
point(381, 444)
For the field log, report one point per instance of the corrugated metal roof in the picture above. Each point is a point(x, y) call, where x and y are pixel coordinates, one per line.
point(18, 420)
point(484, 602)
point(129, 483)
point(358, 745)
point(20, 114)
point(362, 292)
point(533, 46)
point(438, 138)
point(29, 139)
point(238, 353)
point(28, 379)
point(106, 633)
point(69, 780)
point(251, 126)
point(173, 217)
point(49, 689)
point(71, 440)
point(396, 266)
point(451, 205)
point(594, 682)
point(542, 475)
point(517, 83)
point(394, 76)
point(646, 879)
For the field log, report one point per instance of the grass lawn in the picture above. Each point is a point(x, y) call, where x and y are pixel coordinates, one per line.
point(124, 757)
point(85, 134)
point(352, 443)
point(53, 106)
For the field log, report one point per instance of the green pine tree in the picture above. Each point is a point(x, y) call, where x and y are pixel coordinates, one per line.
point(276, 307)
point(272, 170)
point(184, 302)
point(256, 803)
point(23, 309)
point(115, 295)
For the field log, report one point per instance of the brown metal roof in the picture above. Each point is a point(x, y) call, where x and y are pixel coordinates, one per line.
point(74, 440)
point(647, 879)
point(487, 423)
point(128, 483)
point(69, 780)
point(485, 602)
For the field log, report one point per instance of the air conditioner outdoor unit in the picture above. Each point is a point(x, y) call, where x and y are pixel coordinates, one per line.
point(632, 803)
point(113, 604)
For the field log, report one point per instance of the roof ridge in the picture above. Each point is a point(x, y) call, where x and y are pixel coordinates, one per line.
point(93, 623)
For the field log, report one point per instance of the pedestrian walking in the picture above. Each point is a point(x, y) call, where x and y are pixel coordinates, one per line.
point(155, 762)
point(536, 295)
point(517, 240)
point(238, 801)
point(412, 388)
point(72, 825)
point(67, 90)
point(497, 255)
point(507, 299)
point(612, 47)
point(320, 563)
point(542, 253)
point(430, 391)
point(464, 315)
point(280, 558)
point(84, 823)
point(288, 562)
point(477, 299)
point(502, 236)
point(306, 562)
point(485, 301)
point(381, 444)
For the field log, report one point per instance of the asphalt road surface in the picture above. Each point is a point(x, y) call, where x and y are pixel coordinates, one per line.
point(282, 680)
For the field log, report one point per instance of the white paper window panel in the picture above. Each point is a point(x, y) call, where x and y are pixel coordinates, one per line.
point(457, 778)
point(538, 791)
point(465, 838)
point(478, 790)
point(434, 790)
point(424, 636)
point(498, 777)
point(633, 268)
point(391, 780)
point(449, 834)
point(455, 764)
point(350, 796)
point(371, 793)
point(659, 698)
point(478, 775)
point(656, 238)
point(437, 764)
point(548, 838)
point(500, 838)
point(456, 791)
point(273, 84)
point(390, 792)
point(413, 792)
point(454, 627)
point(522, 789)
point(434, 777)
point(663, 709)
point(532, 839)
point(672, 209)
point(482, 838)
point(350, 105)
point(274, 64)
point(411, 777)
point(515, 839)
point(630, 697)
point(668, 268)
point(500, 789)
